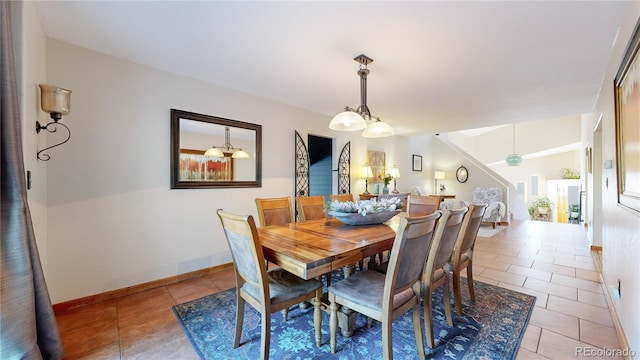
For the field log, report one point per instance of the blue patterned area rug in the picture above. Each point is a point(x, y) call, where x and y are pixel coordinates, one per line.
point(491, 328)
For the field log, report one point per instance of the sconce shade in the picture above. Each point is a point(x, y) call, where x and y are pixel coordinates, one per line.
point(378, 129)
point(366, 172)
point(395, 173)
point(55, 100)
point(439, 175)
point(514, 159)
point(347, 121)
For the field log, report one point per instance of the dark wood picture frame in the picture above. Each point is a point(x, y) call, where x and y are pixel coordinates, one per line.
point(416, 160)
point(627, 120)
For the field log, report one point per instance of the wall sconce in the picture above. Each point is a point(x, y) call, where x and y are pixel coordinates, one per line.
point(366, 175)
point(439, 175)
point(395, 174)
point(55, 101)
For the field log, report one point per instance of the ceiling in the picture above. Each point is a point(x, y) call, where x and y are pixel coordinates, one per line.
point(438, 66)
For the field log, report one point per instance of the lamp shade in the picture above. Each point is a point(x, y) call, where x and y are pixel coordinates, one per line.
point(347, 121)
point(395, 173)
point(439, 175)
point(213, 152)
point(366, 172)
point(378, 129)
point(54, 99)
point(514, 159)
point(240, 154)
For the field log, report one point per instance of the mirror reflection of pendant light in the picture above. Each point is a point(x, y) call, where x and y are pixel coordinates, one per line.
point(356, 119)
point(218, 151)
point(514, 159)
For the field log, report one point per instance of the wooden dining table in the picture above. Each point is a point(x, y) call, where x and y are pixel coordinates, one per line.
point(313, 248)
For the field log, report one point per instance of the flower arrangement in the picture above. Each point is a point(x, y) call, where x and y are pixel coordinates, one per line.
point(363, 207)
point(386, 179)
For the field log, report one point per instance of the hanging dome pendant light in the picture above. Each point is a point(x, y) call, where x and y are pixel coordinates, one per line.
point(514, 159)
point(356, 119)
point(217, 151)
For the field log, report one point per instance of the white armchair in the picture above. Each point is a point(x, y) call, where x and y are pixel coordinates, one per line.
point(493, 198)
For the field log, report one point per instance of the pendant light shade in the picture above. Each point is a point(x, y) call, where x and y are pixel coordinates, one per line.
point(348, 120)
point(514, 159)
point(218, 151)
point(378, 129)
point(356, 119)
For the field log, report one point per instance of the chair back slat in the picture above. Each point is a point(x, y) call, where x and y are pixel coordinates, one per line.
point(341, 197)
point(274, 211)
point(422, 205)
point(446, 233)
point(409, 252)
point(242, 238)
point(311, 207)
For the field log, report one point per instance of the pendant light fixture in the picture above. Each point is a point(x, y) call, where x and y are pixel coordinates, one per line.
point(356, 119)
point(514, 159)
point(218, 151)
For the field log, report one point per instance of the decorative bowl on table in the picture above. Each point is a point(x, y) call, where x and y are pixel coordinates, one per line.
point(364, 212)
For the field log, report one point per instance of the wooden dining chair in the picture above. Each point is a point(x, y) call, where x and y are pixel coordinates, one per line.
point(311, 207)
point(400, 287)
point(462, 256)
point(422, 205)
point(274, 211)
point(266, 291)
point(341, 197)
point(436, 271)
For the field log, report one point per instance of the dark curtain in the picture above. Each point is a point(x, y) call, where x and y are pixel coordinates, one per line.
point(27, 322)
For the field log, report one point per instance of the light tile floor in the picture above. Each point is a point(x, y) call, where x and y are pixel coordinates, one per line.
point(548, 260)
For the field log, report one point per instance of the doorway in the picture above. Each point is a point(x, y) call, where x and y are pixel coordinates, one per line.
point(320, 164)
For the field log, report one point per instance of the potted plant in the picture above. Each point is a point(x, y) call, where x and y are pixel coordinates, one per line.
point(541, 206)
point(386, 179)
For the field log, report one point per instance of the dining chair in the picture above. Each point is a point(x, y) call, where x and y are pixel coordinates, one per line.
point(436, 271)
point(311, 207)
point(422, 205)
point(274, 211)
point(266, 291)
point(341, 197)
point(462, 256)
point(385, 297)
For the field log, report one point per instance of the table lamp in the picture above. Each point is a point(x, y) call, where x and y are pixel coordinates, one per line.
point(395, 174)
point(439, 175)
point(366, 174)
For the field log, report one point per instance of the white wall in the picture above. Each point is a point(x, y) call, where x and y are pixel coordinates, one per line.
point(621, 227)
point(30, 59)
point(113, 221)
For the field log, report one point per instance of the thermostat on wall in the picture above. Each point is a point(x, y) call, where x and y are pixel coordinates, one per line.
point(608, 164)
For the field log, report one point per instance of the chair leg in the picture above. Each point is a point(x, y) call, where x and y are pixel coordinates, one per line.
point(285, 314)
point(428, 317)
point(387, 350)
point(317, 317)
point(333, 322)
point(457, 296)
point(239, 319)
point(472, 293)
point(265, 334)
point(446, 298)
point(417, 326)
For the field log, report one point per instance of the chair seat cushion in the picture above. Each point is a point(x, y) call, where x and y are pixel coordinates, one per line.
point(284, 286)
point(366, 288)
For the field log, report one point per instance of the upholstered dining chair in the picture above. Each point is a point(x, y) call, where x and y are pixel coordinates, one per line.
point(436, 271)
point(462, 256)
point(400, 287)
point(311, 207)
point(274, 211)
point(422, 205)
point(266, 291)
point(341, 197)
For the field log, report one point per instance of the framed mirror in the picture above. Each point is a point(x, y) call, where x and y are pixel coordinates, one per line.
point(210, 152)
